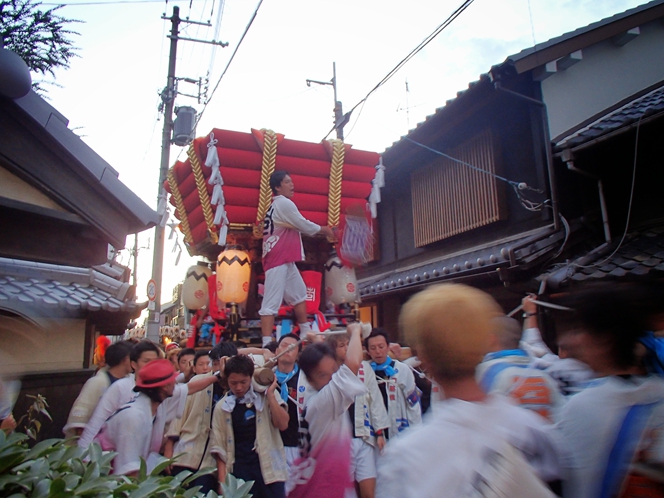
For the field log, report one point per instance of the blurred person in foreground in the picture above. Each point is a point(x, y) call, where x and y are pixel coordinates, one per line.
point(506, 369)
point(611, 432)
point(324, 470)
point(474, 443)
point(369, 421)
point(571, 374)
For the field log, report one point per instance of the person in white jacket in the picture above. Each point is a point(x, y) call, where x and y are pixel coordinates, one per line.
point(611, 431)
point(282, 248)
point(396, 382)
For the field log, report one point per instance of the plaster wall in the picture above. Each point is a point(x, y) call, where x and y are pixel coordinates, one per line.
point(606, 75)
point(12, 187)
point(27, 348)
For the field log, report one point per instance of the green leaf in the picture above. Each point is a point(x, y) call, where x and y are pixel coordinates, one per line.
point(94, 452)
point(92, 472)
point(142, 471)
point(42, 448)
point(144, 490)
point(202, 472)
point(244, 488)
point(191, 492)
point(94, 486)
point(161, 466)
point(72, 480)
point(58, 486)
point(9, 461)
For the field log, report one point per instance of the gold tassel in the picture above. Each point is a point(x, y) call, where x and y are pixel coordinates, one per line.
point(179, 206)
point(267, 168)
point(336, 173)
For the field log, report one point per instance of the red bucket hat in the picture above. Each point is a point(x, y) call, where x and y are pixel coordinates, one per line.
point(157, 373)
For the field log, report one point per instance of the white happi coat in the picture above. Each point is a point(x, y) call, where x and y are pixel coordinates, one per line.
point(403, 398)
point(370, 412)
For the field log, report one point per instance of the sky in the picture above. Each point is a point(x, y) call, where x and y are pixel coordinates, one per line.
point(110, 94)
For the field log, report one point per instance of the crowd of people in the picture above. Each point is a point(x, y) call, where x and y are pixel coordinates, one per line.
point(484, 409)
point(340, 417)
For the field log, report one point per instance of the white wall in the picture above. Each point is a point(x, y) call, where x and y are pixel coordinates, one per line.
point(27, 348)
point(606, 75)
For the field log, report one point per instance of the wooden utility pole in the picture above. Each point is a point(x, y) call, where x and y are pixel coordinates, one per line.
point(168, 99)
point(339, 121)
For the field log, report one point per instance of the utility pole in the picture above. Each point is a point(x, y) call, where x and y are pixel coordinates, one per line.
point(339, 121)
point(168, 99)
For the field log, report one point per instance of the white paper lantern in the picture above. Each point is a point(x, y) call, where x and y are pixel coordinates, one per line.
point(340, 282)
point(233, 275)
point(195, 286)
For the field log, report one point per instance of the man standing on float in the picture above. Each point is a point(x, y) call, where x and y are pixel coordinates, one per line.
point(282, 248)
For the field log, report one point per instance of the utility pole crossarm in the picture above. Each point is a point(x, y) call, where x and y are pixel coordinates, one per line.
point(339, 119)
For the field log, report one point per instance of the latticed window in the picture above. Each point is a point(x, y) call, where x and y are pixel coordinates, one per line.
point(450, 198)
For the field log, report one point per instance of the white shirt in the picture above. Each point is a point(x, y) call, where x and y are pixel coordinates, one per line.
point(328, 438)
point(120, 393)
point(136, 434)
point(461, 450)
point(591, 421)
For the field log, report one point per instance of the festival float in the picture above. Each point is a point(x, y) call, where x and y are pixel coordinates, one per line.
point(221, 194)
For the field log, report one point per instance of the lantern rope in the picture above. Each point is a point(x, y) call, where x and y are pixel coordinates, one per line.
point(267, 168)
point(203, 195)
point(179, 206)
point(336, 173)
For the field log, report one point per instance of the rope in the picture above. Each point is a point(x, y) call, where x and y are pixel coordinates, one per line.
point(179, 206)
point(203, 195)
point(336, 172)
point(267, 168)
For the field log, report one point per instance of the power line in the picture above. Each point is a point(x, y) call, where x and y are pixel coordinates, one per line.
point(412, 54)
point(237, 47)
point(109, 2)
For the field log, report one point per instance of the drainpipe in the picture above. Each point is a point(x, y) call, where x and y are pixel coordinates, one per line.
point(547, 142)
point(568, 157)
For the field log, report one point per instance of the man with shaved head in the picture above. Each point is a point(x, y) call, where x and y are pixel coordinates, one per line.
point(473, 444)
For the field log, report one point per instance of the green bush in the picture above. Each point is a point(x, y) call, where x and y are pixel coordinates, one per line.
point(55, 468)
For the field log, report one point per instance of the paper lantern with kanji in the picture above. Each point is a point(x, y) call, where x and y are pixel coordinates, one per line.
point(340, 282)
point(195, 286)
point(233, 275)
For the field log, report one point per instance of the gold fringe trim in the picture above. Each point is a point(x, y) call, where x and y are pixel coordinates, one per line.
point(179, 206)
point(202, 193)
point(267, 168)
point(336, 172)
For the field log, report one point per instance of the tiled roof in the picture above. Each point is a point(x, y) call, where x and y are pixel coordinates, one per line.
point(580, 31)
point(484, 78)
point(463, 264)
point(642, 107)
point(642, 255)
point(44, 287)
